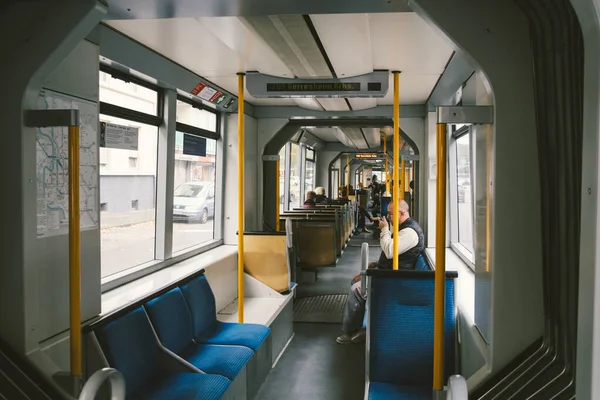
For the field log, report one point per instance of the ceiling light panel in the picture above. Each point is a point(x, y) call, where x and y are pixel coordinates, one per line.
point(292, 41)
point(346, 39)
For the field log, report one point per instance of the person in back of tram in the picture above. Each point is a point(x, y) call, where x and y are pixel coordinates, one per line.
point(411, 244)
point(310, 200)
point(321, 198)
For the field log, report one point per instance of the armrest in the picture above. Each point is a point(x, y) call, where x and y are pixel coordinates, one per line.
point(407, 274)
point(364, 263)
point(457, 388)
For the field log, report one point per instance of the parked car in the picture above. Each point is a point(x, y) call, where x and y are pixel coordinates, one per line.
point(194, 202)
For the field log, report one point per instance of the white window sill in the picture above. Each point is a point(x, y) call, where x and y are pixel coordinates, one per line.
point(139, 288)
point(465, 284)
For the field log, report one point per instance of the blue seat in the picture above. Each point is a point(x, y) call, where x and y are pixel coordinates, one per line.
point(172, 322)
point(201, 302)
point(401, 307)
point(421, 265)
point(129, 345)
point(381, 391)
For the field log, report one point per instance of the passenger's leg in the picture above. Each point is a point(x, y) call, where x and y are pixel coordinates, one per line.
point(353, 313)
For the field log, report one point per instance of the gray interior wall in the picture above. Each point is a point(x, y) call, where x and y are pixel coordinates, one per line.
point(267, 128)
point(53, 252)
point(588, 329)
point(497, 41)
point(33, 288)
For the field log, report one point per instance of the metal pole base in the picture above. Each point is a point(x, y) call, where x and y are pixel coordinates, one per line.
point(69, 383)
point(439, 394)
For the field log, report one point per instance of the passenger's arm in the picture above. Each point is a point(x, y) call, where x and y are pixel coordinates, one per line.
point(407, 239)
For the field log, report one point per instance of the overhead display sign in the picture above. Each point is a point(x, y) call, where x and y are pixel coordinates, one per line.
point(368, 155)
point(313, 87)
point(374, 84)
point(212, 95)
point(194, 145)
point(116, 136)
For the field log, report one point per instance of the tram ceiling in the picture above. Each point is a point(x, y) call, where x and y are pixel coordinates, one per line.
point(310, 46)
point(119, 9)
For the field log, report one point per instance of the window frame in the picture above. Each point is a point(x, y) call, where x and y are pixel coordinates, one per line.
point(167, 131)
point(194, 130)
point(462, 251)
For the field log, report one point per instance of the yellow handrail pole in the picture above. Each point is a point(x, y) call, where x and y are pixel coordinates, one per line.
point(277, 196)
point(396, 159)
point(241, 197)
point(74, 253)
point(363, 176)
point(403, 181)
point(387, 167)
point(440, 261)
point(348, 174)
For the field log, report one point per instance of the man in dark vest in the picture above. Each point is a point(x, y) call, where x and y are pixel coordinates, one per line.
point(411, 243)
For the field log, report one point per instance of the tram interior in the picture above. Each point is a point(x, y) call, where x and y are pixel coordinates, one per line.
point(199, 270)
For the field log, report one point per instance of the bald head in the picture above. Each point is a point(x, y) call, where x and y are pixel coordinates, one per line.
point(403, 214)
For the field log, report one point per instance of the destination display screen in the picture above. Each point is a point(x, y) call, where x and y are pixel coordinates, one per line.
point(367, 155)
point(314, 87)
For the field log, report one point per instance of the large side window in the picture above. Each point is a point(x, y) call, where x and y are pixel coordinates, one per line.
point(309, 177)
point(461, 193)
point(282, 179)
point(194, 176)
point(129, 123)
point(295, 165)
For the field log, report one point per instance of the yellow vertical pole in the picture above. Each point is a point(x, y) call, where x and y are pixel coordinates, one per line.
point(403, 181)
point(396, 161)
point(74, 253)
point(277, 194)
point(363, 176)
point(440, 261)
point(387, 167)
point(348, 174)
point(241, 197)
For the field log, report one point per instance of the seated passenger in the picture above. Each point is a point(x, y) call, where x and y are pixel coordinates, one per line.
point(411, 243)
point(321, 198)
point(310, 200)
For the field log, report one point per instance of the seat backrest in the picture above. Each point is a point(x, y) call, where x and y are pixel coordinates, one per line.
point(130, 346)
point(316, 244)
point(401, 308)
point(201, 303)
point(171, 319)
point(266, 259)
point(421, 264)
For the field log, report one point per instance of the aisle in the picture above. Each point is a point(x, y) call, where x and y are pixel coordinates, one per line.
point(314, 366)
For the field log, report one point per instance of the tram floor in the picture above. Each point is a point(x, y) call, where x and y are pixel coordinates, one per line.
point(336, 280)
point(314, 366)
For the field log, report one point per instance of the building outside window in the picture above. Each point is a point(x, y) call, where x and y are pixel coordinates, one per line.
point(128, 173)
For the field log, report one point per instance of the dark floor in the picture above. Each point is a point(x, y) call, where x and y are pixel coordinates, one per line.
point(314, 366)
point(336, 280)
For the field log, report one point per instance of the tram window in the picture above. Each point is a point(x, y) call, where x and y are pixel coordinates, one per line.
point(128, 95)
point(309, 170)
point(295, 160)
point(282, 164)
point(194, 116)
point(464, 192)
point(128, 193)
point(194, 196)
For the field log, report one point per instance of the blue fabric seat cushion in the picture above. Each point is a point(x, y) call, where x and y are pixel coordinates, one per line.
point(184, 386)
point(227, 361)
point(385, 391)
point(130, 346)
point(229, 333)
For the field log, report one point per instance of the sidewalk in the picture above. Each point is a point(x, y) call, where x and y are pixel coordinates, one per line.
point(112, 219)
